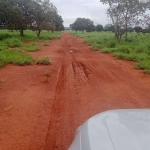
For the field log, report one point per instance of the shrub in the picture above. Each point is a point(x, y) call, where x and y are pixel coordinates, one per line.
point(111, 44)
point(123, 49)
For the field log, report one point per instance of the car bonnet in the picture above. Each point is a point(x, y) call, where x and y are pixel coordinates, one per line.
point(117, 130)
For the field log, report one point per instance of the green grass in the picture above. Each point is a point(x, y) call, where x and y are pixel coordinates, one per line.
point(137, 48)
point(13, 57)
point(31, 47)
point(13, 47)
point(43, 61)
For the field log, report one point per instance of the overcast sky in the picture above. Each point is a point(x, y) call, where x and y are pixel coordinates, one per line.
point(72, 9)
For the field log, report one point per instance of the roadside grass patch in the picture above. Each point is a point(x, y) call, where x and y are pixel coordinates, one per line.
point(43, 61)
point(144, 65)
point(31, 47)
point(108, 50)
point(14, 57)
point(13, 42)
point(137, 48)
point(13, 50)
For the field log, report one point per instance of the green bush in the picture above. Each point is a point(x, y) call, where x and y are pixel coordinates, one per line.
point(123, 49)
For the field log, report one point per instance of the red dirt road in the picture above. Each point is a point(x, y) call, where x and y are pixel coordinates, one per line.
point(42, 113)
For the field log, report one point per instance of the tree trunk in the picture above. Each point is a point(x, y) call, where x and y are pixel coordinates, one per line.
point(21, 32)
point(38, 33)
point(126, 32)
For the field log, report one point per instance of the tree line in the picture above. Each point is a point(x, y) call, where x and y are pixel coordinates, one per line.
point(36, 15)
point(85, 24)
point(125, 16)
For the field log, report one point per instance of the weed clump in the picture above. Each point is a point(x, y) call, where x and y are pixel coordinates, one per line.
point(13, 42)
point(44, 61)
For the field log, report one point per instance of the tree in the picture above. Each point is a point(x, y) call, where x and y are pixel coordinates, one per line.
point(99, 28)
point(46, 17)
point(25, 17)
point(35, 14)
point(82, 24)
point(123, 14)
point(109, 27)
point(138, 29)
point(5, 7)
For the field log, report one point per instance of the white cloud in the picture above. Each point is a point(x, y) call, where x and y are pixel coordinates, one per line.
point(72, 9)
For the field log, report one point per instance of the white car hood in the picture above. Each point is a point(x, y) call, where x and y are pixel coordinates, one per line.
point(123, 129)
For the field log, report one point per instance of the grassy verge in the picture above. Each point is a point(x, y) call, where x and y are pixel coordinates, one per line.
point(13, 47)
point(137, 48)
point(13, 57)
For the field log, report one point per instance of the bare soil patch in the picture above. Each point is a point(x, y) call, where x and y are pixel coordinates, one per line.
point(42, 112)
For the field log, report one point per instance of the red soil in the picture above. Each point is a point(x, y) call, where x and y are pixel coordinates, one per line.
point(42, 113)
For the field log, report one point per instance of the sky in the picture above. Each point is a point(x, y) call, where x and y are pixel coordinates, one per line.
point(70, 10)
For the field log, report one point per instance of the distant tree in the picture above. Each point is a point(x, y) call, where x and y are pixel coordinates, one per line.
point(90, 27)
point(99, 28)
point(82, 24)
point(59, 23)
point(109, 27)
point(138, 29)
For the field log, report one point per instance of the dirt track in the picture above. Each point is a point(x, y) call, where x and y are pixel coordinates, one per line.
point(42, 113)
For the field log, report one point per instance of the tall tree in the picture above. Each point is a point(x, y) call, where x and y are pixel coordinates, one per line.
point(25, 16)
point(82, 24)
point(99, 28)
point(123, 14)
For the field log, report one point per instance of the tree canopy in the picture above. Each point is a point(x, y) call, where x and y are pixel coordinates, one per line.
point(34, 14)
point(125, 14)
point(82, 24)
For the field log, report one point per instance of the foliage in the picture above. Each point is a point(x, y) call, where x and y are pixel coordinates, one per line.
point(82, 24)
point(30, 14)
point(124, 14)
point(138, 29)
point(109, 27)
point(99, 28)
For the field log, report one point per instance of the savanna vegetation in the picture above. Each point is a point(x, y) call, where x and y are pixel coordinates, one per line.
point(127, 35)
point(13, 48)
point(24, 21)
point(137, 48)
